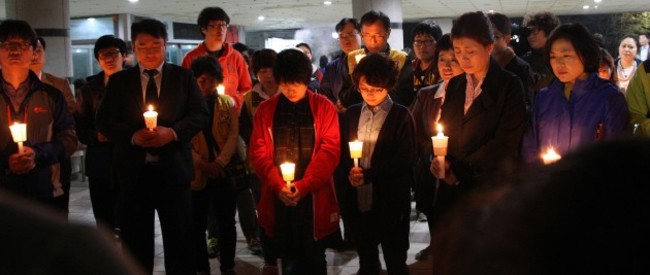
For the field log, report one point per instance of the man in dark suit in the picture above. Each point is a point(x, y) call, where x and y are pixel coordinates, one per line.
point(152, 168)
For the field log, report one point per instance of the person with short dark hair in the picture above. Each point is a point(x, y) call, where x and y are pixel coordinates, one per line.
point(426, 112)
point(375, 30)
point(380, 187)
point(483, 114)
point(213, 149)
point(300, 127)
point(506, 57)
point(538, 27)
point(61, 172)
point(425, 34)
point(152, 168)
point(336, 83)
point(214, 23)
point(316, 75)
point(579, 108)
point(110, 52)
point(644, 48)
point(50, 134)
point(606, 68)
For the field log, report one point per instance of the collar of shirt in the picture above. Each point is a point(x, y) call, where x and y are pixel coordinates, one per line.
point(384, 106)
point(471, 91)
point(16, 96)
point(441, 91)
point(144, 79)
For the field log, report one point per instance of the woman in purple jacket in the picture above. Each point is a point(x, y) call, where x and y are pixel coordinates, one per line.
point(578, 107)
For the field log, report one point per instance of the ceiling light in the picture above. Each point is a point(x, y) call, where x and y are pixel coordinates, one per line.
point(595, 7)
point(133, 1)
point(586, 7)
point(260, 18)
point(491, 11)
point(598, 1)
point(327, 3)
point(91, 19)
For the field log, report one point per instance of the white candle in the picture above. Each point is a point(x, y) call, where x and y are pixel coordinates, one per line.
point(19, 134)
point(356, 148)
point(221, 90)
point(288, 171)
point(150, 118)
point(358, 57)
point(440, 149)
point(550, 156)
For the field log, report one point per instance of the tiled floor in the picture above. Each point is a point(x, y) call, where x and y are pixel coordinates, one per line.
point(338, 263)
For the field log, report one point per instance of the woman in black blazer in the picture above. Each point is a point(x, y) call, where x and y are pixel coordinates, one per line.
point(483, 115)
point(379, 190)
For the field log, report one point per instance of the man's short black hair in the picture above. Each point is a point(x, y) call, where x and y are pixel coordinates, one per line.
point(17, 28)
point(374, 16)
point(545, 21)
point(211, 14)
point(501, 22)
point(151, 27)
point(40, 39)
point(109, 41)
point(207, 65)
point(341, 24)
point(427, 27)
point(264, 58)
point(292, 66)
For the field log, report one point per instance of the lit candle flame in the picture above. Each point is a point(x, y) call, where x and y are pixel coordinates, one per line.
point(550, 156)
point(150, 107)
point(439, 129)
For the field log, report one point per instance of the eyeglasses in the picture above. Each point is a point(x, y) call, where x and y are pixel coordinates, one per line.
point(8, 46)
point(108, 53)
point(347, 35)
point(420, 43)
point(374, 37)
point(218, 26)
point(371, 91)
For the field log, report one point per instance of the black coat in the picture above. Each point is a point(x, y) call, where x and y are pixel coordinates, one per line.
point(392, 160)
point(182, 108)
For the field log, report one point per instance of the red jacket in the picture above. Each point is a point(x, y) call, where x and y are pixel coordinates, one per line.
point(236, 78)
point(318, 176)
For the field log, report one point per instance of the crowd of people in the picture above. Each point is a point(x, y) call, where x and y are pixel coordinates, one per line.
point(227, 123)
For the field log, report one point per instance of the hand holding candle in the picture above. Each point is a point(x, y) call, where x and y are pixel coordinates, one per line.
point(356, 149)
point(19, 134)
point(550, 156)
point(440, 149)
point(288, 173)
point(221, 90)
point(150, 118)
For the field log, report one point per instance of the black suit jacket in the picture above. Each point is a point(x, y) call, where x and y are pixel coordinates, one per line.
point(491, 131)
point(182, 108)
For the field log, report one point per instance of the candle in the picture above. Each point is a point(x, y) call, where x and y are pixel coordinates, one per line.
point(440, 149)
point(19, 134)
point(550, 156)
point(356, 148)
point(288, 173)
point(150, 118)
point(358, 57)
point(221, 90)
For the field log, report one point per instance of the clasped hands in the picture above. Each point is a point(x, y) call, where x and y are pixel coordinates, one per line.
point(159, 137)
point(22, 163)
point(211, 169)
point(289, 197)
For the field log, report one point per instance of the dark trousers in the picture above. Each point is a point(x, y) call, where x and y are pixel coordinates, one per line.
point(138, 205)
point(309, 260)
point(63, 202)
point(217, 194)
point(103, 199)
point(391, 230)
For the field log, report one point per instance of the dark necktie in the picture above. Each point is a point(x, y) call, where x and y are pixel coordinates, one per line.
point(151, 97)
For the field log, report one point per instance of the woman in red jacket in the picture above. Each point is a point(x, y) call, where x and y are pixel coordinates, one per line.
point(301, 127)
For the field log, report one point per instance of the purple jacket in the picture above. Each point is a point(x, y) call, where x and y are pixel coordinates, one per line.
point(595, 105)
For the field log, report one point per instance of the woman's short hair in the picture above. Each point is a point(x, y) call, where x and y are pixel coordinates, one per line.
point(207, 65)
point(264, 58)
point(378, 70)
point(544, 21)
point(443, 44)
point(607, 59)
point(292, 66)
point(583, 42)
point(634, 37)
point(474, 25)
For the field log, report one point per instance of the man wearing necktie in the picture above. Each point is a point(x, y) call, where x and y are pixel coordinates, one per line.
point(152, 168)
